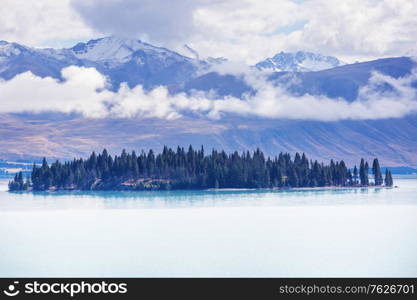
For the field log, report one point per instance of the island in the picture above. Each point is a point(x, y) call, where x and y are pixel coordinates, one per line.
point(193, 169)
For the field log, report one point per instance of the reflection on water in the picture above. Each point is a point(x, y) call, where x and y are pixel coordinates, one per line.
point(206, 198)
point(307, 232)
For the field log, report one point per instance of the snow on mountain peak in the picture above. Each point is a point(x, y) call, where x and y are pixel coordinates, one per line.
point(115, 49)
point(9, 49)
point(300, 61)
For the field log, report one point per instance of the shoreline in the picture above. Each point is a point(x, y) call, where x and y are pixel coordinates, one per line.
point(212, 189)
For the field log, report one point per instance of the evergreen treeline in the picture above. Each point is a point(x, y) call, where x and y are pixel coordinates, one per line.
point(193, 169)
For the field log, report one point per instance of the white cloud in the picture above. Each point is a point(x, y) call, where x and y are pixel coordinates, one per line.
point(236, 29)
point(350, 29)
point(358, 29)
point(276, 102)
point(84, 91)
point(156, 21)
point(242, 30)
point(251, 30)
point(38, 22)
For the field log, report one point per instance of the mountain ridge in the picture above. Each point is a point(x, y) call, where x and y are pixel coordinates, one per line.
point(121, 60)
point(131, 61)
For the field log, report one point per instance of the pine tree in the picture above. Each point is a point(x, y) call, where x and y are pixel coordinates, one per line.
point(362, 173)
point(376, 170)
point(355, 175)
point(366, 173)
point(388, 178)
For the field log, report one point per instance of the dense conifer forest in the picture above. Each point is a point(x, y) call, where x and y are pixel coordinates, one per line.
point(193, 169)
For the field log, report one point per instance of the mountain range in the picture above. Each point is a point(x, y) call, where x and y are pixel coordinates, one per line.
point(135, 62)
point(57, 135)
point(121, 60)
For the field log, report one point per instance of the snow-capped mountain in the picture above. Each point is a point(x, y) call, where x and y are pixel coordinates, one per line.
point(121, 60)
point(136, 62)
point(299, 61)
point(121, 50)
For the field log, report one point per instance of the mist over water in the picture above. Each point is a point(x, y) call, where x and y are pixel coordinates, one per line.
point(250, 233)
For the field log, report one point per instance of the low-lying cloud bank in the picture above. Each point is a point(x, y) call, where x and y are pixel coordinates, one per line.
point(84, 91)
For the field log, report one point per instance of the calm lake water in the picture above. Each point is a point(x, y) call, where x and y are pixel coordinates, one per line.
point(322, 232)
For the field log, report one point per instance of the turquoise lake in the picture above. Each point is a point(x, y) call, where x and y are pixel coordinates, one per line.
point(240, 233)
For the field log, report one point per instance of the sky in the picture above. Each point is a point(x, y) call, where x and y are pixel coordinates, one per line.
point(240, 30)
